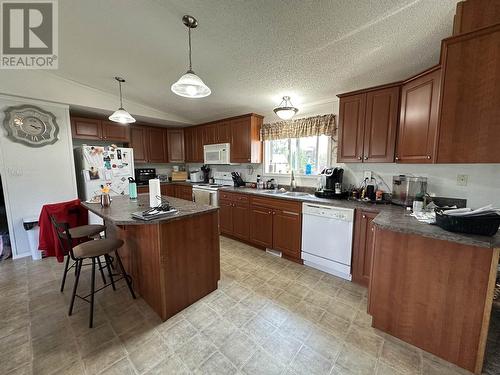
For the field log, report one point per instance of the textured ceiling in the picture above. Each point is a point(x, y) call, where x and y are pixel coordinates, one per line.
point(251, 52)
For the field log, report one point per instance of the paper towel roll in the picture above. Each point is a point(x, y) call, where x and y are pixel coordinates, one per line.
point(154, 193)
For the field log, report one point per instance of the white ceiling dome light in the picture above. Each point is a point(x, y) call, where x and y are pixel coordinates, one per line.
point(190, 85)
point(285, 110)
point(120, 115)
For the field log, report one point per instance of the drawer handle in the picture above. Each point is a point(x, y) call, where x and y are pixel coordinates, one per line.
point(366, 157)
point(291, 213)
point(364, 216)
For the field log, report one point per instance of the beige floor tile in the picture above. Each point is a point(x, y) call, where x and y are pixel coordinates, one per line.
point(349, 298)
point(401, 356)
point(309, 311)
point(136, 336)
point(94, 339)
point(26, 369)
point(44, 344)
point(219, 331)
point(318, 299)
point(324, 343)
point(362, 319)
point(55, 360)
point(239, 315)
point(126, 320)
point(384, 369)
point(18, 337)
point(352, 360)
point(171, 365)
point(297, 327)
point(334, 324)
point(287, 300)
point(309, 361)
point(274, 313)
point(122, 367)
point(196, 351)
point(104, 357)
point(365, 340)
point(341, 309)
point(263, 364)
point(237, 291)
point(254, 302)
point(222, 303)
point(178, 334)
point(282, 347)
point(259, 329)
point(15, 357)
point(218, 364)
point(200, 315)
point(149, 354)
point(238, 348)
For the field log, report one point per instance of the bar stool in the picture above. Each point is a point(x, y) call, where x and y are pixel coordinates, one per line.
point(92, 250)
point(78, 233)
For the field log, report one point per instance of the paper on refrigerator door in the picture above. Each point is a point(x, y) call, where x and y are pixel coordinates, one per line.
point(154, 193)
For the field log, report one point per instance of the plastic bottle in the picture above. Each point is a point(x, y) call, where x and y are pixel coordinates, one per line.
point(308, 167)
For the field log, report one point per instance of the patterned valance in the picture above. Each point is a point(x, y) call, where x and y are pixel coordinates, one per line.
point(303, 127)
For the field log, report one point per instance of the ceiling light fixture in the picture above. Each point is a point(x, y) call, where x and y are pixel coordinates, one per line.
point(120, 115)
point(190, 85)
point(285, 110)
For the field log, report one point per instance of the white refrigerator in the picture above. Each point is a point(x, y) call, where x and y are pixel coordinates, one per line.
point(98, 166)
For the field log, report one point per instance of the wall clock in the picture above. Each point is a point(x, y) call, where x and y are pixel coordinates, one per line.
point(31, 125)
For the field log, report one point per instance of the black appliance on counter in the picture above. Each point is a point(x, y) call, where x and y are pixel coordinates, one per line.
point(143, 175)
point(330, 184)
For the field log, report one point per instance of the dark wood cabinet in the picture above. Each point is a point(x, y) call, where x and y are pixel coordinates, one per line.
point(362, 251)
point(86, 128)
point(351, 128)
point(261, 226)
point(116, 132)
point(226, 216)
point(184, 192)
point(175, 145)
point(418, 123)
point(381, 123)
point(193, 144)
point(142, 189)
point(223, 132)
point(97, 129)
point(209, 134)
point(157, 145)
point(234, 215)
point(469, 120)
point(287, 228)
point(138, 136)
point(246, 146)
point(472, 15)
point(367, 125)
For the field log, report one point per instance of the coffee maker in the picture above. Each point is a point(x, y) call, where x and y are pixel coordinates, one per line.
point(330, 184)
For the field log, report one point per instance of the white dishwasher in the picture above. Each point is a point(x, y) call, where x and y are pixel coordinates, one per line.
point(327, 238)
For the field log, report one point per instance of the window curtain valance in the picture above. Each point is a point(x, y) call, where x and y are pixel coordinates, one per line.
point(303, 127)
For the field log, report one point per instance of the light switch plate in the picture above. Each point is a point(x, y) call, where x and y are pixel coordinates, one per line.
point(367, 175)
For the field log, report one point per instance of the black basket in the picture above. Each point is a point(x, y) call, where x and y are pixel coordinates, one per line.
point(483, 225)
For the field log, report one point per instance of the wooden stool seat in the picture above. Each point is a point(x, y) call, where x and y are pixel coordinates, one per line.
point(96, 248)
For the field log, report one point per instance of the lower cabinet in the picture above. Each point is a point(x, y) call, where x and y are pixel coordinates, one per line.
point(287, 232)
point(171, 190)
point(233, 215)
point(261, 226)
point(362, 251)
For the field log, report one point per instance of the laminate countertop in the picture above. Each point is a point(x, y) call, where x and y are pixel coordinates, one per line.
point(121, 209)
point(390, 217)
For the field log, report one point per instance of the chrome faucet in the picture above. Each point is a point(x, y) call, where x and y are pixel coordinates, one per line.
point(293, 183)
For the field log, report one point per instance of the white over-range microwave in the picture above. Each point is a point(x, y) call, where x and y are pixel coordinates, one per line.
point(217, 153)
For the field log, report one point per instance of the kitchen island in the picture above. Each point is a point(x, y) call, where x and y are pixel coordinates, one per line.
point(173, 261)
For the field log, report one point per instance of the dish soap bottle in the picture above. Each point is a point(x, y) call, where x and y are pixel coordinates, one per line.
point(308, 167)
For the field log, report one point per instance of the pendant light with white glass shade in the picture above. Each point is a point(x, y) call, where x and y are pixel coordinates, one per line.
point(120, 115)
point(285, 110)
point(190, 85)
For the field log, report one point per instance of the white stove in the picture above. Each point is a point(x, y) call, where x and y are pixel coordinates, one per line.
point(204, 193)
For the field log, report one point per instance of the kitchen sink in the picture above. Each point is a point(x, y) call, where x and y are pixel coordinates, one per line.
point(296, 194)
point(275, 192)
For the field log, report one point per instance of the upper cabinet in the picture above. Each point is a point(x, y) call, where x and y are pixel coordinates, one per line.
point(193, 144)
point(472, 15)
point(149, 144)
point(367, 125)
point(418, 123)
point(96, 129)
point(246, 146)
point(469, 120)
point(175, 145)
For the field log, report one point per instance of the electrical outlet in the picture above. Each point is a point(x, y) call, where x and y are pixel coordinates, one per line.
point(462, 179)
point(367, 175)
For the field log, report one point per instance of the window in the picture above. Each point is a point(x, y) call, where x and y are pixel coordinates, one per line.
point(283, 155)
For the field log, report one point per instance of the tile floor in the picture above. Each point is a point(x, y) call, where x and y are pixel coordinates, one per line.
point(269, 316)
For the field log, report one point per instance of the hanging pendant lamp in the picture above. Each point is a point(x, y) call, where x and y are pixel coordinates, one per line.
point(190, 85)
point(285, 110)
point(120, 115)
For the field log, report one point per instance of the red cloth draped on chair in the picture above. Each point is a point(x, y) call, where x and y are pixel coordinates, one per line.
point(70, 212)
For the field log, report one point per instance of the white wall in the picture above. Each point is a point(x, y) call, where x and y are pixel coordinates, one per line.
point(32, 177)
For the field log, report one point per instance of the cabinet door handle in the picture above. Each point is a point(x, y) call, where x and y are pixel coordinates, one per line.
point(291, 213)
point(364, 216)
point(366, 157)
point(359, 157)
point(429, 157)
point(269, 212)
point(397, 157)
point(274, 212)
point(373, 229)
